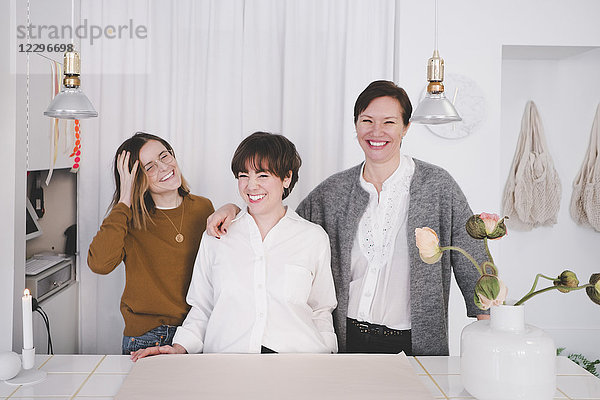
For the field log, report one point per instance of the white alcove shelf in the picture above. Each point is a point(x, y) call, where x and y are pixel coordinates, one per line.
point(562, 81)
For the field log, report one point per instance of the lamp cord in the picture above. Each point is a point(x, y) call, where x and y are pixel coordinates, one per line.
point(27, 87)
point(47, 323)
point(435, 43)
point(72, 21)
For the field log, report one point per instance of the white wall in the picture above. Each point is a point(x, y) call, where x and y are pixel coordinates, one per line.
point(566, 99)
point(471, 36)
point(10, 164)
point(14, 148)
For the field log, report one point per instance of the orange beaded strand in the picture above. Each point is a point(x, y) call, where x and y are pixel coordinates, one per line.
point(77, 149)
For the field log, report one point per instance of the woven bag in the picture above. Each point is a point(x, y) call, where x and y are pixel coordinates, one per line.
point(532, 192)
point(585, 200)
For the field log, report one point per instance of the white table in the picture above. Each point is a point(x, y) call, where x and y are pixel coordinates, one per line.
point(99, 377)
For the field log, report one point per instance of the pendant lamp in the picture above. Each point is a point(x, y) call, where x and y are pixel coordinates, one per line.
point(71, 102)
point(435, 108)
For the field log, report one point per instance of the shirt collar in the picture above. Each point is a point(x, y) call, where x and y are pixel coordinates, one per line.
point(289, 213)
point(403, 173)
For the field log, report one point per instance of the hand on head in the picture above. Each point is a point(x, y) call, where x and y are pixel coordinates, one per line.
point(218, 222)
point(126, 176)
point(156, 350)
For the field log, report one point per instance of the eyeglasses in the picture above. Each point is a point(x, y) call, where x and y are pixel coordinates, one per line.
point(165, 158)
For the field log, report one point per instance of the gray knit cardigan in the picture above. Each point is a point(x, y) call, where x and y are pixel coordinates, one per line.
point(436, 201)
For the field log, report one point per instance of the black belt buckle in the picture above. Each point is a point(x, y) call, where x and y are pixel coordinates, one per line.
point(365, 327)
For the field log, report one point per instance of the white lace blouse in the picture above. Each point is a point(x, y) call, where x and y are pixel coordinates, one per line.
point(379, 287)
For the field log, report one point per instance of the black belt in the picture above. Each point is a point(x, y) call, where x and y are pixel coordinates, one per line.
point(374, 329)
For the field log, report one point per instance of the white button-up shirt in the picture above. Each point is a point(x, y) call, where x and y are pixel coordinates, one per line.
point(380, 283)
point(246, 292)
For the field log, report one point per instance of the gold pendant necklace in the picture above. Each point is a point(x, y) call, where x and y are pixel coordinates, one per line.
point(179, 237)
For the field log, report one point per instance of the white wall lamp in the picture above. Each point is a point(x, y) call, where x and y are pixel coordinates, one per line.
point(435, 108)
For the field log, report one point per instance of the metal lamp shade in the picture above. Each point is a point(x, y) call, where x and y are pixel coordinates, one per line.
point(435, 109)
point(71, 103)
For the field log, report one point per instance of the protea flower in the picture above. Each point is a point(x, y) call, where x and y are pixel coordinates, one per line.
point(566, 278)
point(489, 291)
point(428, 244)
point(486, 225)
point(593, 292)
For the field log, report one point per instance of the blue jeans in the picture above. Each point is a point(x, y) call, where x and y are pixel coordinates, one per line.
point(159, 336)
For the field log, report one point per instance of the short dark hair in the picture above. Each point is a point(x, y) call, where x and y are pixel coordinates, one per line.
point(265, 151)
point(381, 89)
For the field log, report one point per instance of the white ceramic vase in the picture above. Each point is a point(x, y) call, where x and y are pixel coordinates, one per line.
point(503, 358)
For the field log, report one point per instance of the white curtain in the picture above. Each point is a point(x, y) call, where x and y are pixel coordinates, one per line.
point(208, 74)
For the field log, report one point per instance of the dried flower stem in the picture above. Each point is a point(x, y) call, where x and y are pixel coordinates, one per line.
point(464, 253)
point(487, 250)
point(486, 264)
point(531, 293)
point(538, 276)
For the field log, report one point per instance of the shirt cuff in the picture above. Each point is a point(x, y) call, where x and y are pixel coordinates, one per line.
point(192, 343)
point(330, 340)
point(473, 311)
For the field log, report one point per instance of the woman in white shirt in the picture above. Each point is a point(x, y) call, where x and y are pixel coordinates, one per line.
point(389, 300)
point(267, 285)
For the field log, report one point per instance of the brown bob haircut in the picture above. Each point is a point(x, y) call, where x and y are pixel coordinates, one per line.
point(263, 151)
point(378, 89)
point(142, 205)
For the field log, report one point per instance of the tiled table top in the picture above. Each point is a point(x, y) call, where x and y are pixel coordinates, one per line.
point(98, 377)
point(442, 376)
point(88, 377)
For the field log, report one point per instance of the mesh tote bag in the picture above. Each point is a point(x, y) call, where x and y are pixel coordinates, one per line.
point(532, 192)
point(585, 201)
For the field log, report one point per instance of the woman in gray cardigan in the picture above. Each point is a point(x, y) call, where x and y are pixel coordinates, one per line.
point(388, 299)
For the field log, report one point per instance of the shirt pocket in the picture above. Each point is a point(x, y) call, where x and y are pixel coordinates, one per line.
point(298, 283)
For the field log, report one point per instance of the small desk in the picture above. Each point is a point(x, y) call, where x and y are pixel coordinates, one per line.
point(99, 377)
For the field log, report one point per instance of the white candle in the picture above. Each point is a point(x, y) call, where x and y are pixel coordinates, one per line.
point(27, 320)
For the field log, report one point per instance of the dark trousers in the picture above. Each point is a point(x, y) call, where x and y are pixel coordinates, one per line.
point(363, 337)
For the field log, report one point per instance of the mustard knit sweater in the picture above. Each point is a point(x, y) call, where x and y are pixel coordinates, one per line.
point(158, 269)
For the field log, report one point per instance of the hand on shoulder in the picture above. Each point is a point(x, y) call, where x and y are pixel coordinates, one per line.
point(218, 222)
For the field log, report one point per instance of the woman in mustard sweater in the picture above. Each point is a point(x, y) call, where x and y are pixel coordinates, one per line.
point(154, 227)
